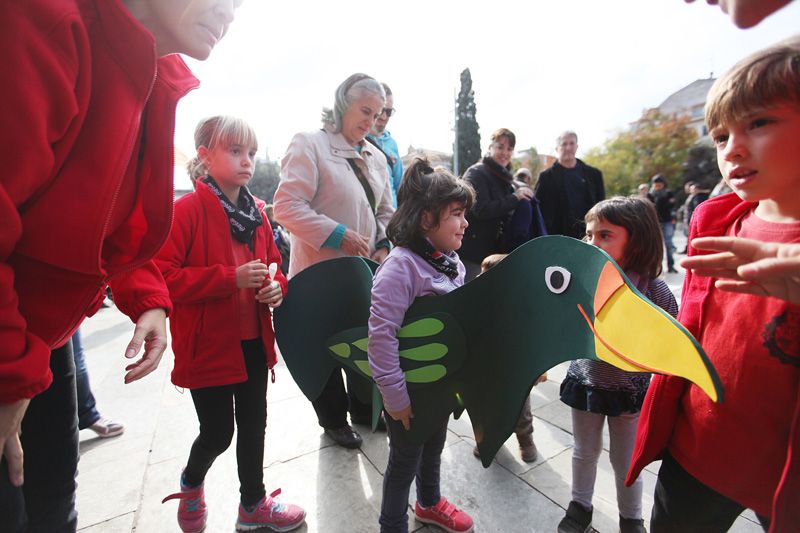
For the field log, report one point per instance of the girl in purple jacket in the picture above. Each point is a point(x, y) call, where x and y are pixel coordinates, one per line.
point(426, 230)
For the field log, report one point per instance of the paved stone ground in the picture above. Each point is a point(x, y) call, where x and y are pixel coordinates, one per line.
point(122, 480)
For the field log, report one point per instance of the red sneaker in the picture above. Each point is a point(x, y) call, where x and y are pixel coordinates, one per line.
point(192, 512)
point(270, 513)
point(445, 515)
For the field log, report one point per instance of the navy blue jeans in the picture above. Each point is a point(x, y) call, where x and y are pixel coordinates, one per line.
point(668, 230)
point(408, 461)
point(87, 406)
point(46, 501)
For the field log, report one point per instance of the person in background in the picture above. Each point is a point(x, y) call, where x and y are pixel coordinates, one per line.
point(88, 415)
point(495, 201)
point(335, 199)
point(643, 191)
point(381, 138)
point(526, 221)
point(665, 208)
point(92, 101)
point(567, 190)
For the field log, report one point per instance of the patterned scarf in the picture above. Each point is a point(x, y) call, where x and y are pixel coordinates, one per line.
point(243, 218)
point(447, 264)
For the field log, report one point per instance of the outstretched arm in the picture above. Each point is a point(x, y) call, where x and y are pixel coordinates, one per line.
point(749, 266)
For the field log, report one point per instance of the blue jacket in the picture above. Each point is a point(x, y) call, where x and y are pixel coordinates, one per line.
point(388, 146)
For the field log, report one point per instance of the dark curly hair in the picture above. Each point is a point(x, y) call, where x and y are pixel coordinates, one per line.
point(424, 190)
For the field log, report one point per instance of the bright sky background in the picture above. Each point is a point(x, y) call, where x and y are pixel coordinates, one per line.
point(538, 67)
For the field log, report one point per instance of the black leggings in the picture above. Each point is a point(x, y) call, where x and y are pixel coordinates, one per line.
point(216, 409)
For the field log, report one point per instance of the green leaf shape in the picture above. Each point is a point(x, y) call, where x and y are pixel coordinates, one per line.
point(363, 366)
point(425, 327)
point(426, 352)
point(361, 344)
point(426, 374)
point(342, 349)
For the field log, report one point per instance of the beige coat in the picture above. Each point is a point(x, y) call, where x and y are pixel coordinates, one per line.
point(319, 190)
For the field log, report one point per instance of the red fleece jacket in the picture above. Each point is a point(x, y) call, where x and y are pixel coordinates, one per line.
point(85, 88)
point(747, 447)
point(198, 263)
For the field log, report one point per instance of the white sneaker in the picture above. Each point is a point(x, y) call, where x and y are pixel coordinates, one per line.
point(107, 428)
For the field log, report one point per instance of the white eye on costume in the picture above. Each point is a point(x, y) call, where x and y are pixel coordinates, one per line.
point(557, 279)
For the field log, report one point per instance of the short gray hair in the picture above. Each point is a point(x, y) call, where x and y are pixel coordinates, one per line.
point(350, 90)
point(566, 133)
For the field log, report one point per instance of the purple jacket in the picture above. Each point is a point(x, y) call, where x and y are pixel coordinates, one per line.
point(403, 277)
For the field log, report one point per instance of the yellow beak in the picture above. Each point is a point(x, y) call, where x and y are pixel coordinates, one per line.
point(633, 335)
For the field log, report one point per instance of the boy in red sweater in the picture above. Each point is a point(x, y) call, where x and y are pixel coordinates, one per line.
point(719, 459)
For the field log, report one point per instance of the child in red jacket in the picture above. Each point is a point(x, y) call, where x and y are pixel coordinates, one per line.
point(215, 264)
point(720, 458)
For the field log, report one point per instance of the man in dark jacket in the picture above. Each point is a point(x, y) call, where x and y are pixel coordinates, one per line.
point(568, 189)
point(665, 208)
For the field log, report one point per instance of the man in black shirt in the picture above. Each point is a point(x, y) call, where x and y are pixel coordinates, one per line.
point(665, 208)
point(568, 189)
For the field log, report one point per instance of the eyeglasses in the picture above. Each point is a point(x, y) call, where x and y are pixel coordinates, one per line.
point(388, 111)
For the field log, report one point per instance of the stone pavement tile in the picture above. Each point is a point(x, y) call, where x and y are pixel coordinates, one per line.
point(340, 489)
point(554, 479)
point(120, 524)
point(110, 477)
point(497, 500)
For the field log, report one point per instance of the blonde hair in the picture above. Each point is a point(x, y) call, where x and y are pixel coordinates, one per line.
point(763, 79)
point(220, 129)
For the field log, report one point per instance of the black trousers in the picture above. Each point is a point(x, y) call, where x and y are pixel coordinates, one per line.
point(217, 407)
point(46, 501)
point(682, 504)
point(334, 402)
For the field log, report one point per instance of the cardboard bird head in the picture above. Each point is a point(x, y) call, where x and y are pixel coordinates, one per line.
point(482, 346)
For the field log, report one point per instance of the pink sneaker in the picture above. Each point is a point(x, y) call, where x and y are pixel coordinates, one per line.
point(270, 513)
point(192, 512)
point(445, 515)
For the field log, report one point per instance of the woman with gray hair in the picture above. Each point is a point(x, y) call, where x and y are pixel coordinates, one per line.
point(335, 199)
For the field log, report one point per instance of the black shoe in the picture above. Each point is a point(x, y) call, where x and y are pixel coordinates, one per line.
point(345, 436)
point(672, 270)
point(631, 525)
point(577, 519)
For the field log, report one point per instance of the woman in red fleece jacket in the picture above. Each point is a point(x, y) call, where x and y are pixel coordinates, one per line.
point(215, 264)
point(88, 114)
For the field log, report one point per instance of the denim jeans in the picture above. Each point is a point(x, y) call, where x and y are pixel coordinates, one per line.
point(408, 461)
point(46, 501)
point(217, 408)
point(668, 230)
point(87, 406)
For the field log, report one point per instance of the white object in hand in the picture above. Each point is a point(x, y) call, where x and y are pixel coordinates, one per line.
point(273, 269)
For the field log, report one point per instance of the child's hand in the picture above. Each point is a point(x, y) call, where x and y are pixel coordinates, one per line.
point(749, 266)
point(251, 275)
point(270, 294)
point(404, 416)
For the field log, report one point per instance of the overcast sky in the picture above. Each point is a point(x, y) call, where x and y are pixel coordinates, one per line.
point(538, 67)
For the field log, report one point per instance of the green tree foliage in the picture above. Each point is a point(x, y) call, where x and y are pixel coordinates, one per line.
point(656, 144)
point(701, 165)
point(468, 139)
point(265, 179)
